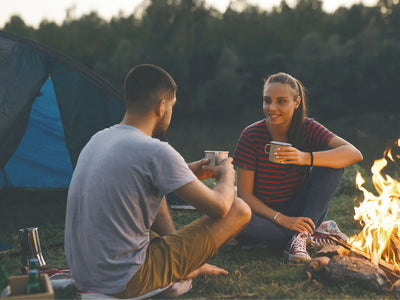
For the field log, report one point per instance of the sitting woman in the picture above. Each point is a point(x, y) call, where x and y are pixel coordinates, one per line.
point(289, 199)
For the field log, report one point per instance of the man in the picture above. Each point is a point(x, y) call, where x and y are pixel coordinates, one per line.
point(119, 235)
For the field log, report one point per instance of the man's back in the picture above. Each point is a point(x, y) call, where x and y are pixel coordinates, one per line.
point(115, 192)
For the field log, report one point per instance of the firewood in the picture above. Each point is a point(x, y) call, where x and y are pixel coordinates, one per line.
point(359, 270)
point(390, 269)
point(396, 244)
point(316, 266)
point(332, 250)
point(396, 288)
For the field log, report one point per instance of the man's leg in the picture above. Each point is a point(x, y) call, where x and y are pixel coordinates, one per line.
point(226, 228)
point(184, 253)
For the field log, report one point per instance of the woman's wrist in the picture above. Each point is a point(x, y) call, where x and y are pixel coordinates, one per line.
point(275, 218)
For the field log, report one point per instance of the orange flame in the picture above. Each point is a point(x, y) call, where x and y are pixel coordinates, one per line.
point(380, 215)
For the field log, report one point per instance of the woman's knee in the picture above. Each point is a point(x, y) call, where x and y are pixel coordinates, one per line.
point(327, 171)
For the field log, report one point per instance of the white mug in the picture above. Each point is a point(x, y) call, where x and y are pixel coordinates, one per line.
point(273, 145)
point(216, 157)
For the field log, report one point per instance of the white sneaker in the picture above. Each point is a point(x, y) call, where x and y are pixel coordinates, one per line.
point(297, 248)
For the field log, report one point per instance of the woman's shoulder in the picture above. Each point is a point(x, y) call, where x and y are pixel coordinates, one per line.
point(311, 122)
point(256, 126)
point(308, 120)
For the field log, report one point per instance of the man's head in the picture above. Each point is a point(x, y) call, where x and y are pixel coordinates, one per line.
point(150, 88)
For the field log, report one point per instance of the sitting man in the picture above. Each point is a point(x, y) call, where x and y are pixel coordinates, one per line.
point(120, 239)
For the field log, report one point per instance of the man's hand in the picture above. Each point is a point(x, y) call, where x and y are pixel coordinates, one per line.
point(198, 170)
point(225, 168)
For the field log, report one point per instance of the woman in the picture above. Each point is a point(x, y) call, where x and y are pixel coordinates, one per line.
point(289, 200)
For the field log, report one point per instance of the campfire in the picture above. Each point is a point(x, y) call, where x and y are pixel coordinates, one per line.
point(372, 257)
point(380, 214)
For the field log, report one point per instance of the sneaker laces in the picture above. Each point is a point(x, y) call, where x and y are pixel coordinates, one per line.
point(299, 243)
point(320, 238)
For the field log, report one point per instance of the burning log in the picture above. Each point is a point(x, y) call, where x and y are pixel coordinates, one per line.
point(357, 270)
point(396, 288)
point(332, 250)
point(396, 245)
point(387, 267)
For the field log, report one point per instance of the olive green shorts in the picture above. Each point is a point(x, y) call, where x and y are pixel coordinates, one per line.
point(171, 258)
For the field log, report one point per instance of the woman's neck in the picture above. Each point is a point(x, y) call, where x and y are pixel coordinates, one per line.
point(278, 133)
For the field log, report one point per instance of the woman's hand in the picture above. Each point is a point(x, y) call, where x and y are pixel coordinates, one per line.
point(298, 224)
point(292, 156)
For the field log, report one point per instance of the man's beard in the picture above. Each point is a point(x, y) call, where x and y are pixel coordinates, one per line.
point(160, 130)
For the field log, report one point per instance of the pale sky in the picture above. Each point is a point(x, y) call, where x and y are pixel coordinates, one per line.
point(34, 11)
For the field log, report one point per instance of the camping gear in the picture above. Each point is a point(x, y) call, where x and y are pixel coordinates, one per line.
point(33, 286)
point(50, 106)
point(19, 285)
point(5, 288)
point(30, 245)
point(5, 247)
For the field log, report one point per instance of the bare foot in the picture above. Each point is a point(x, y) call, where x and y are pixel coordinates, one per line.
point(207, 269)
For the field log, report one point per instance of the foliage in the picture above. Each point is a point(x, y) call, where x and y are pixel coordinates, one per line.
point(348, 182)
point(348, 59)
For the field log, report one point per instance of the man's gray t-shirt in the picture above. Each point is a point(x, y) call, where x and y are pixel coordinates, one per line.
point(116, 190)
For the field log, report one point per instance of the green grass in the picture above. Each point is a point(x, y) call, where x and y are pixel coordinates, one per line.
point(256, 273)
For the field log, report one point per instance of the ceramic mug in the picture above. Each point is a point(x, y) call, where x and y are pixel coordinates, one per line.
point(273, 145)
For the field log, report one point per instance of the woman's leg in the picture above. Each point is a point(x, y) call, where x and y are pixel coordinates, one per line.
point(313, 199)
point(262, 232)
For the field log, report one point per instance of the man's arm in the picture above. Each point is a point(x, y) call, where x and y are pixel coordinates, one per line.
point(163, 223)
point(216, 202)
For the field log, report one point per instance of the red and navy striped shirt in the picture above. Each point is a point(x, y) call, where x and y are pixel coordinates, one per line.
point(275, 182)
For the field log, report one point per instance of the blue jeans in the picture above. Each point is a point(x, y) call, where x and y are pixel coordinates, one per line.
point(312, 201)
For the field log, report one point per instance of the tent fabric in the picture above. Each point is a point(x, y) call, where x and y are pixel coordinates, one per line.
point(36, 158)
point(50, 106)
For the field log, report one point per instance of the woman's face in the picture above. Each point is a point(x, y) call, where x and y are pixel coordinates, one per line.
point(279, 103)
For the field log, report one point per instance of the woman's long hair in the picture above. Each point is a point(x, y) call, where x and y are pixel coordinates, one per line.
point(296, 131)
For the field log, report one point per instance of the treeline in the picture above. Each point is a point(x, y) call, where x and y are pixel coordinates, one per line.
point(349, 60)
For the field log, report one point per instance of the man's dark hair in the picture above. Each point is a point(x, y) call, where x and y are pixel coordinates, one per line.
point(144, 83)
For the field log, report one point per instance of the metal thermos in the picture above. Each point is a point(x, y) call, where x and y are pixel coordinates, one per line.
point(30, 245)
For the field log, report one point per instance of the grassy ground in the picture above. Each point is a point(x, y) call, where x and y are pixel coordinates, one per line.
point(256, 273)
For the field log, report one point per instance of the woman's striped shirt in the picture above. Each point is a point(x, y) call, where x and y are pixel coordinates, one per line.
point(275, 182)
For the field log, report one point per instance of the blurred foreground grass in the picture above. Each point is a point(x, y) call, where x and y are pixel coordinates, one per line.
point(256, 273)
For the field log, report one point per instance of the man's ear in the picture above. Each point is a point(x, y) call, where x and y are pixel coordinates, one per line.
point(160, 108)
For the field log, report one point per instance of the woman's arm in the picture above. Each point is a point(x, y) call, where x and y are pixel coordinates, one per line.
point(245, 186)
point(340, 154)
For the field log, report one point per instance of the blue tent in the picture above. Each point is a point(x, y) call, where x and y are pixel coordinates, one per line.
point(50, 106)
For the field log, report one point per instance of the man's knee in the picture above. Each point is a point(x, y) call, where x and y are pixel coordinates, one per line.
point(241, 210)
